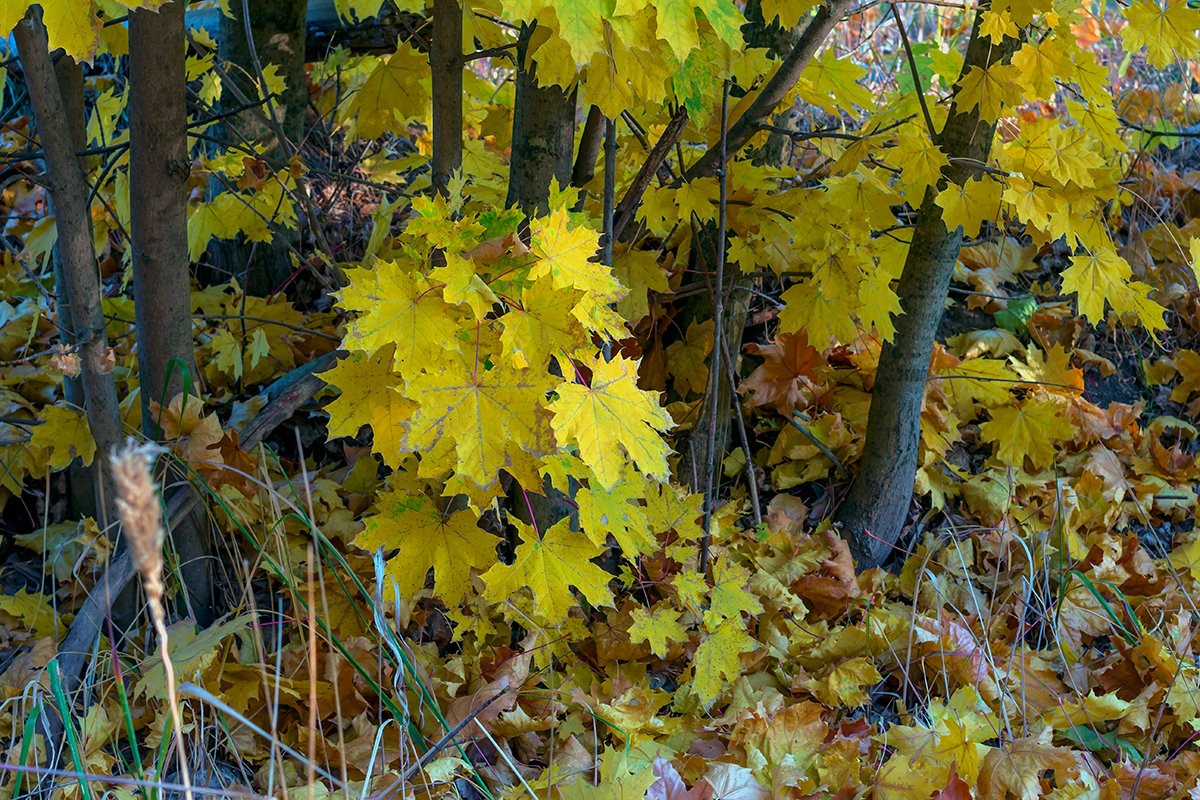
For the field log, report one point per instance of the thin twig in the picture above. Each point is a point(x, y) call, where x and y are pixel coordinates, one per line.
point(713, 451)
point(447, 740)
point(912, 65)
point(817, 442)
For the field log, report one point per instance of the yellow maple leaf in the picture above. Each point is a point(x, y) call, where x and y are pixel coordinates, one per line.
point(451, 545)
point(542, 327)
point(368, 397)
point(1167, 32)
point(388, 97)
point(1050, 371)
point(988, 89)
point(64, 434)
point(1028, 430)
point(1016, 768)
point(192, 652)
point(619, 780)
point(484, 412)
point(920, 160)
point(1086, 711)
point(787, 12)
point(819, 310)
point(616, 512)
point(463, 285)
point(70, 24)
point(1039, 64)
point(564, 253)
point(716, 664)
point(686, 358)
point(970, 205)
point(549, 567)
point(34, 613)
point(843, 684)
point(611, 418)
point(657, 627)
point(900, 779)
point(398, 306)
point(1104, 275)
point(982, 381)
point(729, 596)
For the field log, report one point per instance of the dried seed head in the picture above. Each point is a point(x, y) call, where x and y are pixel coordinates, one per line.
point(137, 503)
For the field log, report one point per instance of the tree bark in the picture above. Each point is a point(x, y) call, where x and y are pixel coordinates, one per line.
point(589, 149)
point(543, 138)
point(81, 277)
point(81, 478)
point(159, 166)
point(276, 37)
point(873, 514)
point(446, 65)
point(158, 173)
point(327, 29)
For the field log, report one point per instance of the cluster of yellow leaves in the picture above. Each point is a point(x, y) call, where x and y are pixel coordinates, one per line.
point(473, 358)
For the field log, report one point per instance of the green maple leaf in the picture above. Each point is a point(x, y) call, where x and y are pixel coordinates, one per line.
point(581, 25)
point(679, 27)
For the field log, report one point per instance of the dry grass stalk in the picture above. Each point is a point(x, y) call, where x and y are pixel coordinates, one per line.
point(141, 517)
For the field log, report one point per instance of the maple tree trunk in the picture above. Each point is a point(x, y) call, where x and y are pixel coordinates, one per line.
point(589, 148)
point(81, 276)
point(159, 166)
point(703, 450)
point(277, 33)
point(158, 173)
point(326, 28)
point(543, 138)
point(81, 478)
point(874, 512)
point(446, 65)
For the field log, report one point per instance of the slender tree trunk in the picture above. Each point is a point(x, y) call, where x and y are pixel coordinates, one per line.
point(81, 479)
point(158, 172)
point(543, 140)
point(327, 28)
point(276, 37)
point(873, 514)
point(81, 277)
point(159, 165)
point(446, 65)
point(543, 137)
point(589, 148)
point(704, 451)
